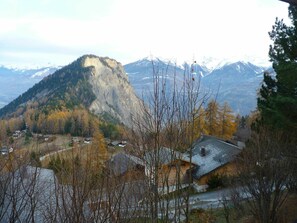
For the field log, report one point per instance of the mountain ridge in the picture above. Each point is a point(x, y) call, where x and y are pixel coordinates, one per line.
point(83, 83)
point(231, 81)
point(235, 82)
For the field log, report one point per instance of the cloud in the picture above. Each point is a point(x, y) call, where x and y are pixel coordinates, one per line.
point(128, 30)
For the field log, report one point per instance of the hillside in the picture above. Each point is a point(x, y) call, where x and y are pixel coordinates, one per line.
point(96, 83)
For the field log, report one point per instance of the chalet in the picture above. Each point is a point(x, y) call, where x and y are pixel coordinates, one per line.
point(75, 140)
point(42, 192)
point(46, 138)
point(17, 134)
point(114, 143)
point(118, 143)
point(173, 166)
point(88, 140)
point(125, 165)
point(292, 2)
point(5, 151)
point(213, 156)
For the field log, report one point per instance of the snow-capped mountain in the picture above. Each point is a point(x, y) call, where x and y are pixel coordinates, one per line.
point(143, 72)
point(15, 81)
point(232, 73)
point(234, 82)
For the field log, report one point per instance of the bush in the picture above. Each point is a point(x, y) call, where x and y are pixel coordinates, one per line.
point(215, 181)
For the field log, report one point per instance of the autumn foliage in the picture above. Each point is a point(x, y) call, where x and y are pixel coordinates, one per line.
point(215, 120)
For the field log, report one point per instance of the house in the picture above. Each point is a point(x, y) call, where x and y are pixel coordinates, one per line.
point(293, 2)
point(125, 165)
point(5, 151)
point(37, 192)
point(75, 140)
point(122, 144)
point(46, 138)
point(213, 156)
point(173, 166)
point(17, 134)
point(114, 143)
point(88, 140)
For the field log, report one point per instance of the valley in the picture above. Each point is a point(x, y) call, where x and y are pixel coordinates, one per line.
point(99, 135)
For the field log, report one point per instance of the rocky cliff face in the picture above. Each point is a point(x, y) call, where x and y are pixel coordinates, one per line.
point(98, 84)
point(114, 95)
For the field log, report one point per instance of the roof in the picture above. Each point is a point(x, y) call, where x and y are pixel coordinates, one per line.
point(4, 148)
point(164, 156)
point(122, 162)
point(293, 2)
point(41, 191)
point(216, 154)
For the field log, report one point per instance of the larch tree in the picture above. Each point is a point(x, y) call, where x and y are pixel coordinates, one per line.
point(199, 123)
point(227, 122)
point(211, 117)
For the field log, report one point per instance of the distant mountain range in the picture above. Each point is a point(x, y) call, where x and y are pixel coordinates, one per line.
point(14, 82)
point(236, 82)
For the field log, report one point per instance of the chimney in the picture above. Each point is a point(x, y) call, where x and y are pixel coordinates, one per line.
point(202, 151)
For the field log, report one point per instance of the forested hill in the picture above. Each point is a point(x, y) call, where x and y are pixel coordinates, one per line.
point(98, 84)
point(67, 87)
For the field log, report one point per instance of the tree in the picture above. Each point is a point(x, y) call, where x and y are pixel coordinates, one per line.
point(199, 123)
point(211, 117)
point(172, 118)
point(277, 100)
point(227, 126)
point(98, 151)
point(263, 174)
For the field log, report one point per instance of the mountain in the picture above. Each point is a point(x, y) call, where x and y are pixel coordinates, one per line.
point(236, 83)
point(143, 72)
point(96, 83)
point(232, 73)
point(14, 81)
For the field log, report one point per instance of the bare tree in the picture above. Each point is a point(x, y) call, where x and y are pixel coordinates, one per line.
point(263, 175)
point(22, 189)
point(168, 121)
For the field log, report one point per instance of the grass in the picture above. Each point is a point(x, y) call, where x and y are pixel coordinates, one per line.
point(288, 214)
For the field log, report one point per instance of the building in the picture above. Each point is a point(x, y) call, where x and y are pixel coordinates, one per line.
point(293, 2)
point(213, 156)
point(125, 166)
point(173, 167)
point(5, 150)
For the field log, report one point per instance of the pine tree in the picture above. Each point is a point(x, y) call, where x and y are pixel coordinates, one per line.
point(277, 101)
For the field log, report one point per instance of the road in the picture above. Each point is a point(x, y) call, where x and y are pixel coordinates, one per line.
point(52, 153)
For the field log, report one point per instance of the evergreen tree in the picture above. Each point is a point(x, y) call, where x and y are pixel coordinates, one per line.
point(277, 101)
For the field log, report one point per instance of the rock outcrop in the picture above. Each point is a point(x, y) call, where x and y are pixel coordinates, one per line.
point(114, 95)
point(95, 83)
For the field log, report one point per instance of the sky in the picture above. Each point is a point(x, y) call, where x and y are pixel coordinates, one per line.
point(56, 32)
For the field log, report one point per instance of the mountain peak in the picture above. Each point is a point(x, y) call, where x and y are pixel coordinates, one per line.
point(96, 83)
